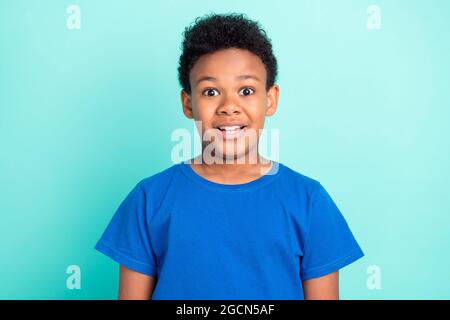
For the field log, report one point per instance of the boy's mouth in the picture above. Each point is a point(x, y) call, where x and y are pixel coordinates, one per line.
point(232, 131)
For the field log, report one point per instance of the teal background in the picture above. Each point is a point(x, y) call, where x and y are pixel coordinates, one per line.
point(85, 114)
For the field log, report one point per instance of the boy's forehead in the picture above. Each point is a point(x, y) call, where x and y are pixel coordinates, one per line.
point(233, 64)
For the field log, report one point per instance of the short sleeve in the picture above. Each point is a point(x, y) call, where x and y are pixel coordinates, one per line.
point(126, 239)
point(329, 244)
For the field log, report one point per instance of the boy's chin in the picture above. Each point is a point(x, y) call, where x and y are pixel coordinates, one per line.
point(239, 157)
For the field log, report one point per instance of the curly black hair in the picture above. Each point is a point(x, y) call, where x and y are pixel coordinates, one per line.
point(214, 32)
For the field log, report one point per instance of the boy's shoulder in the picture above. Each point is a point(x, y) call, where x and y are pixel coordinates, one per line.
point(299, 176)
point(293, 178)
point(158, 179)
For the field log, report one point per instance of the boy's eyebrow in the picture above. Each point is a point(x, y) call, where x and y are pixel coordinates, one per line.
point(248, 76)
point(242, 77)
point(206, 78)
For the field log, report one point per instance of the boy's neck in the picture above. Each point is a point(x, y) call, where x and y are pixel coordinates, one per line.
point(233, 172)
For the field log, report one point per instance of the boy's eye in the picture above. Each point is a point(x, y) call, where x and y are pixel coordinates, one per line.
point(246, 91)
point(210, 92)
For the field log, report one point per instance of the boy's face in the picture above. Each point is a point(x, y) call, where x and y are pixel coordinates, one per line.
point(228, 88)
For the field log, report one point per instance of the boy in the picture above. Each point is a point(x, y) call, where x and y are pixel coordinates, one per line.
point(217, 227)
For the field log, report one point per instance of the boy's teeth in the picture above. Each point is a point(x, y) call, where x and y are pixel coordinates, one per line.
point(231, 128)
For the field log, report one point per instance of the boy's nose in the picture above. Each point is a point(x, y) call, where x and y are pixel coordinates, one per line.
point(229, 106)
point(229, 110)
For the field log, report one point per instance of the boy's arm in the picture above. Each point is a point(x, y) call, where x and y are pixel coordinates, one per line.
point(322, 288)
point(135, 285)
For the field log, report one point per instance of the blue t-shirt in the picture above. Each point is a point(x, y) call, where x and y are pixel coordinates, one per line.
point(207, 240)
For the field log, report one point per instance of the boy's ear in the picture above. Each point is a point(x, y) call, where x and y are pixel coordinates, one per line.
point(272, 100)
point(187, 104)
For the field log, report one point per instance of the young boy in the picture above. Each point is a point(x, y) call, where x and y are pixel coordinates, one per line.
point(227, 228)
